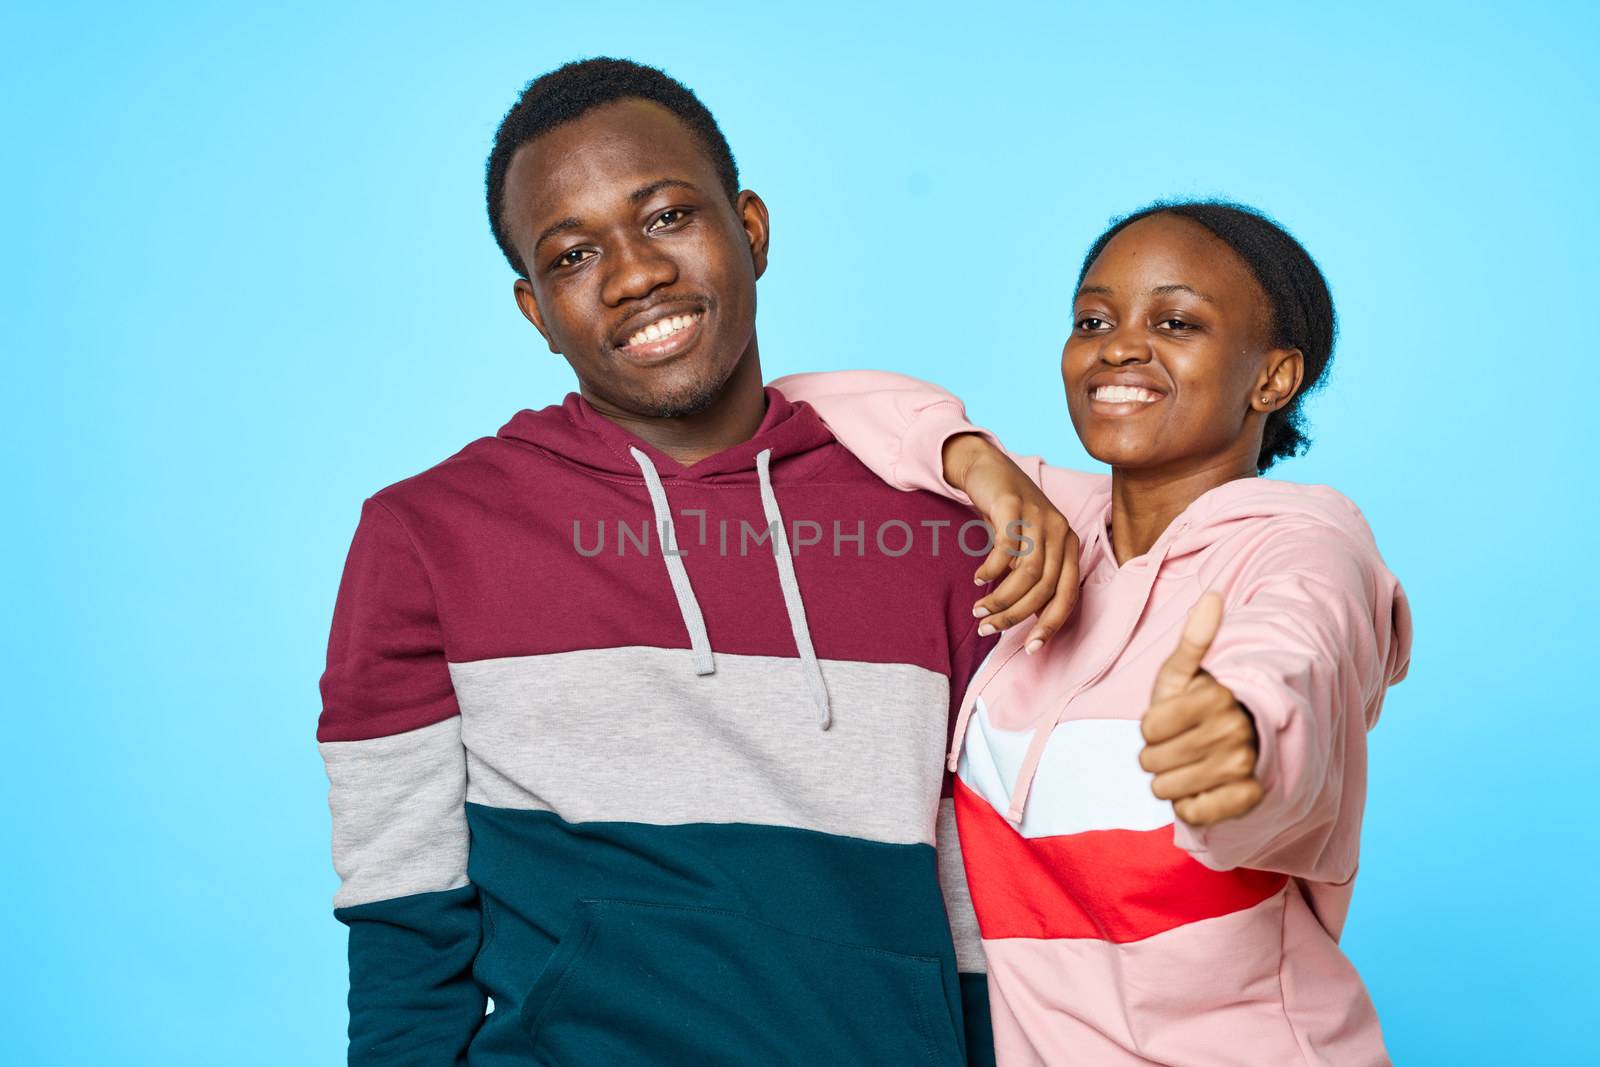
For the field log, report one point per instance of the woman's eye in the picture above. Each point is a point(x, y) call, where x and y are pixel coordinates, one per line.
point(667, 218)
point(1089, 322)
point(1177, 324)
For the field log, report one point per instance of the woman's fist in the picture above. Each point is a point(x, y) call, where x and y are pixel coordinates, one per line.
point(1200, 743)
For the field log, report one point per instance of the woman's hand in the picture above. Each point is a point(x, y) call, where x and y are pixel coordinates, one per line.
point(1200, 743)
point(1032, 542)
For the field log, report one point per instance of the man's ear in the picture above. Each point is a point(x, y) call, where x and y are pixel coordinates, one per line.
point(1281, 378)
point(529, 306)
point(757, 228)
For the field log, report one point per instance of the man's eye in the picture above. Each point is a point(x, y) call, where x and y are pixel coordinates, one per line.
point(1177, 324)
point(670, 217)
point(1089, 322)
point(572, 257)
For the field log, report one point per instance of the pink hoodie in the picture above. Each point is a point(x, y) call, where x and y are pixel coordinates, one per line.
point(1114, 934)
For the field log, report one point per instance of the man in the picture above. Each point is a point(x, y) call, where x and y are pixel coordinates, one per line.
point(634, 713)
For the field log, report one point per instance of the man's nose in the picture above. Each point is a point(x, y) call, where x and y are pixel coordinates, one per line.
point(636, 268)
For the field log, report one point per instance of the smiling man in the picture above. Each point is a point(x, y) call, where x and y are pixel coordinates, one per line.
point(620, 750)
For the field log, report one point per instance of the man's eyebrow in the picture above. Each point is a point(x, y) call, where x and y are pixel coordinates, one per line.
point(644, 192)
point(1178, 287)
point(559, 226)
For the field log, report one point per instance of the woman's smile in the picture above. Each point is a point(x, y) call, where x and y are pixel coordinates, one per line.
point(1118, 399)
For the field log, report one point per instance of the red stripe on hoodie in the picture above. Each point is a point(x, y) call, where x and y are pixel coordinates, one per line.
point(1111, 885)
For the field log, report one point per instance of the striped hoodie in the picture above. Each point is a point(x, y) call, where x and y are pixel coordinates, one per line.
point(1115, 935)
point(599, 803)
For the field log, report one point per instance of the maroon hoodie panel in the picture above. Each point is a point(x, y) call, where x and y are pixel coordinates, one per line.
point(529, 543)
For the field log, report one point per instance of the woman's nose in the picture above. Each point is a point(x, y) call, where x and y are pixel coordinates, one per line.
point(1121, 348)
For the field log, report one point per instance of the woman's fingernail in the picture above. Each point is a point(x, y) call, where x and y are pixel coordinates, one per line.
point(1034, 646)
point(977, 581)
point(985, 630)
point(979, 611)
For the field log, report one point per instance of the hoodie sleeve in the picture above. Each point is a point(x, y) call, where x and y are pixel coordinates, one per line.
point(1314, 631)
point(897, 426)
point(390, 740)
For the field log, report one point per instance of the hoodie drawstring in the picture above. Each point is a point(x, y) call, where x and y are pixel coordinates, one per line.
point(689, 607)
point(1046, 726)
point(791, 592)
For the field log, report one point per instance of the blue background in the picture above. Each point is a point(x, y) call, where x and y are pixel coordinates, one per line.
point(248, 281)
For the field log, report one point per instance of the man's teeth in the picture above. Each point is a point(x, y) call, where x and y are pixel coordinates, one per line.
point(1123, 394)
point(662, 328)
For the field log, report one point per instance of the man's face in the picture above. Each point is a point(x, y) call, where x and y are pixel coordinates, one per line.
point(640, 272)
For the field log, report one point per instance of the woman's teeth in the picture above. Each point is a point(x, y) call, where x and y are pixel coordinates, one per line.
point(1124, 394)
point(663, 328)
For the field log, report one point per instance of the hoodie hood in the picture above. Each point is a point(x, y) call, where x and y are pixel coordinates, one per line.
point(1220, 511)
point(579, 434)
point(1216, 514)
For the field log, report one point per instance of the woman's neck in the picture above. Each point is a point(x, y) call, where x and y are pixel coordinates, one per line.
point(1145, 501)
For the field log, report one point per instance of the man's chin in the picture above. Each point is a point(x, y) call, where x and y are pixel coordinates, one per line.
point(680, 399)
point(681, 404)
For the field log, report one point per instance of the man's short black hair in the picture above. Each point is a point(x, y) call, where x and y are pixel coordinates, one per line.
point(569, 92)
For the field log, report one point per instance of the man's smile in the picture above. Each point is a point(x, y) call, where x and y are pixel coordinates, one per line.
point(661, 332)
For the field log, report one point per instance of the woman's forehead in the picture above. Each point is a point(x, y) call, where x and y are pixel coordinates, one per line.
point(1165, 252)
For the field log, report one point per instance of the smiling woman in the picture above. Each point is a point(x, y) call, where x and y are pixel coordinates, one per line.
point(1257, 338)
point(1160, 809)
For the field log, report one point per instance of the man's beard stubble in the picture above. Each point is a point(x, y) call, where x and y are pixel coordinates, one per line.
point(690, 400)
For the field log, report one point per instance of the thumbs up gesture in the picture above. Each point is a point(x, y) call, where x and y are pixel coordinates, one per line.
point(1200, 743)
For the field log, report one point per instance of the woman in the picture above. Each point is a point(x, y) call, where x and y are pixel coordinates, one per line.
point(1160, 808)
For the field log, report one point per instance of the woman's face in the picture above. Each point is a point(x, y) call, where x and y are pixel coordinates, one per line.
point(1169, 357)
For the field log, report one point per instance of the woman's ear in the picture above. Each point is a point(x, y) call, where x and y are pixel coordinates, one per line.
point(1280, 380)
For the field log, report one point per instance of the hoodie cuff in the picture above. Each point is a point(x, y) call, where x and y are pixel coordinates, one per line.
point(921, 461)
point(1228, 844)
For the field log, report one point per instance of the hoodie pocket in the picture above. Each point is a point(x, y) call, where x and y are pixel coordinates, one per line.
point(642, 983)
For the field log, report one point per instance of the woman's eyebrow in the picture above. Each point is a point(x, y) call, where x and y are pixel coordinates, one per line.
point(1177, 287)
